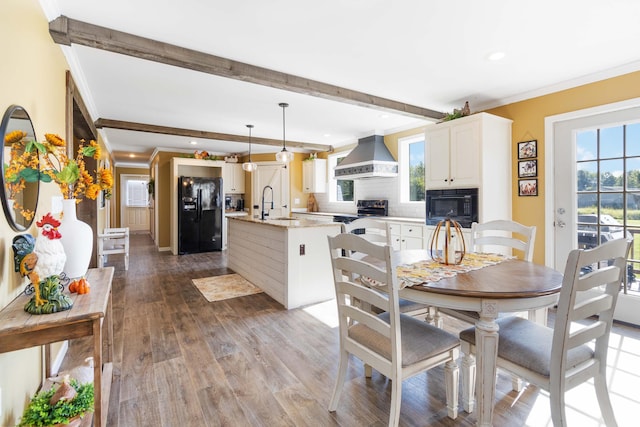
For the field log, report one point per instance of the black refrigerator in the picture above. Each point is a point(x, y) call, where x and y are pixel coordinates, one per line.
point(200, 205)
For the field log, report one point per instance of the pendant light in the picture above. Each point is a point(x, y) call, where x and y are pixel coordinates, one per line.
point(249, 166)
point(284, 156)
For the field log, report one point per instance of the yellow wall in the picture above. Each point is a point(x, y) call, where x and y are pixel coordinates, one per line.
point(33, 76)
point(528, 123)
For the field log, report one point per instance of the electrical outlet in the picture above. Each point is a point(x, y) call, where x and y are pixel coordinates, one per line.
point(296, 201)
point(302, 249)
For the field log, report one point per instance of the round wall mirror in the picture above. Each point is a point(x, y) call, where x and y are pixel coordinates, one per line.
point(20, 183)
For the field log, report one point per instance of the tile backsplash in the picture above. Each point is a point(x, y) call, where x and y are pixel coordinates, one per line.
point(374, 188)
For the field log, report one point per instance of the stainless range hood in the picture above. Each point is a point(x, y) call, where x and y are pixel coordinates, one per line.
point(370, 159)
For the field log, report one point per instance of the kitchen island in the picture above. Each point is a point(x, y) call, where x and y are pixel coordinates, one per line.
point(287, 258)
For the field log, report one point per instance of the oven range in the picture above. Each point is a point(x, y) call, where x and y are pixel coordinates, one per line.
point(366, 208)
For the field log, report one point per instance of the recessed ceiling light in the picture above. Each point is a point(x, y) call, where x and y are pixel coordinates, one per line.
point(384, 116)
point(193, 142)
point(327, 135)
point(496, 56)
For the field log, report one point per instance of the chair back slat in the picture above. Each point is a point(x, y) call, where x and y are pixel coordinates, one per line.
point(587, 334)
point(591, 307)
point(375, 231)
point(355, 267)
point(363, 293)
point(505, 234)
point(597, 278)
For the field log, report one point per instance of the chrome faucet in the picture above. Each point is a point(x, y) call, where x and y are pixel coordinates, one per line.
point(262, 205)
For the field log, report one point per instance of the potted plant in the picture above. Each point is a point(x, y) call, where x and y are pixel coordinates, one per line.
point(63, 412)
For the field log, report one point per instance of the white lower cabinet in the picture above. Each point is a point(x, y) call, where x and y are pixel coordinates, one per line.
point(407, 236)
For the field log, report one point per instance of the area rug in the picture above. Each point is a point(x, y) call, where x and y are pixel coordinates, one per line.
point(228, 286)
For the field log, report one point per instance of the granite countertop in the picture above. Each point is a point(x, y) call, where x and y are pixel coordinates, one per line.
point(234, 212)
point(285, 222)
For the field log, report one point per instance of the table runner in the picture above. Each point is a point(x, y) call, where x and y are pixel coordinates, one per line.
point(428, 271)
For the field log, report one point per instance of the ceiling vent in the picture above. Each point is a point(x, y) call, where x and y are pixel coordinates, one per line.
point(370, 159)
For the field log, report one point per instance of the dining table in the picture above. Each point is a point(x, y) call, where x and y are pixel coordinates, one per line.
point(508, 286)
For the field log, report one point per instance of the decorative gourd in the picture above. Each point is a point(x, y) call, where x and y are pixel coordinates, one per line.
point(81, 286)
point(447, 242)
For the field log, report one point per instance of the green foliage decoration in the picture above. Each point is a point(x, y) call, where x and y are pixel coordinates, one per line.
point(40, 413)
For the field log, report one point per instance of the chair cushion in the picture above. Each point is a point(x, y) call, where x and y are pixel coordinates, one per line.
point(419, 339)
point(405, 306)
point(528, 344)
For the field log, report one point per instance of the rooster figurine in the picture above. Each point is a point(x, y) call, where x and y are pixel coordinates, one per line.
point(42, 261)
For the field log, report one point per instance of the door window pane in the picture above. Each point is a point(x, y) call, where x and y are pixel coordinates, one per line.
point(611, 142)
point(587, 145)
point(137, 193)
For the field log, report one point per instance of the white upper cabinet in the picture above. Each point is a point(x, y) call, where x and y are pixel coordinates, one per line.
point(461, 153)
point(472, 152)
point(453, 155)
point(314, 176)
point(233, 178)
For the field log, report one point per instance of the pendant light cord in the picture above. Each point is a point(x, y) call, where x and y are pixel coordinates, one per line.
point(284, 143)
point(250, 127)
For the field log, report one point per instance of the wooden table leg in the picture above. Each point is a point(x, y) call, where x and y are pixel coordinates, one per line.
point(97, 374)
point(486, 356)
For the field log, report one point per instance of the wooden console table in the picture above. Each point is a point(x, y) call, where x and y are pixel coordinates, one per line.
point(19, 330)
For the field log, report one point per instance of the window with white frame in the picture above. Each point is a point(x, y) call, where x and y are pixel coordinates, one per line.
point(340, 190)
point(411, 168)
point(137, 193)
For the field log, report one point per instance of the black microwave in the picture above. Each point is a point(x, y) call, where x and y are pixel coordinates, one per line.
point(460, 204)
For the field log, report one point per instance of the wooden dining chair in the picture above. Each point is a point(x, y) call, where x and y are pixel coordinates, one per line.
point(377, 231)
point(396, 345)
point(573, 351)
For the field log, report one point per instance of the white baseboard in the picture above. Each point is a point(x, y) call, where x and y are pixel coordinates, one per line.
point(166, 249)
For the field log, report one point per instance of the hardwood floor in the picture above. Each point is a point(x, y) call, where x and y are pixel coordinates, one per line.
point(182, 361)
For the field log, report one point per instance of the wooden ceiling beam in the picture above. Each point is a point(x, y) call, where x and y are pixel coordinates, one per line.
point(66, 31)
point(191, 133)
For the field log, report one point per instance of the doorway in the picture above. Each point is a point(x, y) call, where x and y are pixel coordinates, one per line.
point(593, 194)
point(134, 202)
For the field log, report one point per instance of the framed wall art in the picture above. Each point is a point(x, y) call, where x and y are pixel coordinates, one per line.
point(527, 187)
point(528, 149)
point(527, 168)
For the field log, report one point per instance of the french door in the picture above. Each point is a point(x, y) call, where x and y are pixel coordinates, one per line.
point(593, 188)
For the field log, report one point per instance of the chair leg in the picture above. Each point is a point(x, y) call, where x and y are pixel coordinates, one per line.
point(558, 414)
point(342, 374)
point(468, 377)
point(126, 261)
point(451, 379)
point(516, 383)
point(604, 401)
point(433, 317)
point(396, 399)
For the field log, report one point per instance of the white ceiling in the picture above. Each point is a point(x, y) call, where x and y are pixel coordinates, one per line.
point(424, 53)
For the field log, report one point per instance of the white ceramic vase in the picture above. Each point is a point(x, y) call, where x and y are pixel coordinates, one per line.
point(77, 240)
